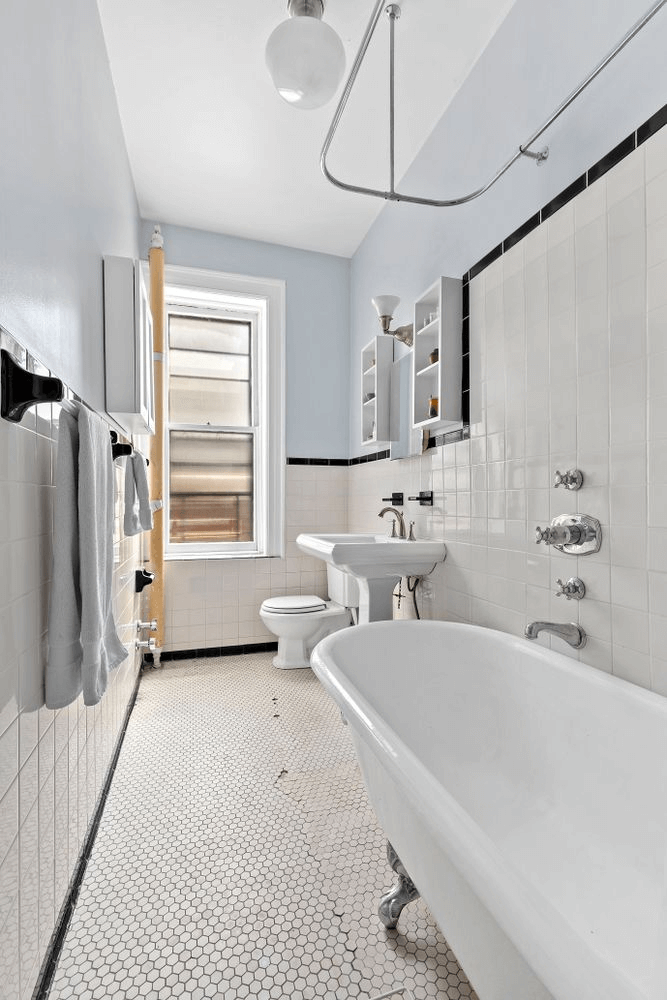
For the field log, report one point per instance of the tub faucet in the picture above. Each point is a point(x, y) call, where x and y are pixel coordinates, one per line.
point(398, 519)
point(571, 633)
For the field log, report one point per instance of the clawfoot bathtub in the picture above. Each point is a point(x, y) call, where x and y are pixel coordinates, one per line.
point(525, 794)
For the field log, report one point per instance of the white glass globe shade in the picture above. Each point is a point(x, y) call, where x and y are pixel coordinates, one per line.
point(306, 60)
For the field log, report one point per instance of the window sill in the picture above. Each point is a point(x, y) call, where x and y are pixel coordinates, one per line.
point(208, 556)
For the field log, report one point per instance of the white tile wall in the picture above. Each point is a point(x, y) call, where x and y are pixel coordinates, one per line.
point(212, 603)
point(568, 362)
point(52, 764)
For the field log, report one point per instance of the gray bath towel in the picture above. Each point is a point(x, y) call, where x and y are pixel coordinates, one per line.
point(83, 643)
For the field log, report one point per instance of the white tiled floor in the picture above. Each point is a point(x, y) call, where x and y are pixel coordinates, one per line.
point(238, 855)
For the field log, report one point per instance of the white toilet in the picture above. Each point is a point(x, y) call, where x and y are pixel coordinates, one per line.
point(300, 621)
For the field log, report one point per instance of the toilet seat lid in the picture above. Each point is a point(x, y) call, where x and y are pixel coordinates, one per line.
point(295, 604)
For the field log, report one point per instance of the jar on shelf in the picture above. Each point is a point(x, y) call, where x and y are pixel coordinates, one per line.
point(433, 406)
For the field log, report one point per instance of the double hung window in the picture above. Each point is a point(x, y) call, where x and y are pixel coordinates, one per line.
point(224, 416)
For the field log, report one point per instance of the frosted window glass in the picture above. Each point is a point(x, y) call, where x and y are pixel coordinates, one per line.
point(209, 401)
point(209, 371)
point(211, 487)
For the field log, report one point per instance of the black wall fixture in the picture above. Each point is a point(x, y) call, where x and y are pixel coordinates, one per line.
point(22, 389)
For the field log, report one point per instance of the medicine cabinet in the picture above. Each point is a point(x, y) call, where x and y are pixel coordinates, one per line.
point(436, 362)
point(128, 346)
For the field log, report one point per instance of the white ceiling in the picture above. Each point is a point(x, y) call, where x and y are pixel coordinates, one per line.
point(212, 146)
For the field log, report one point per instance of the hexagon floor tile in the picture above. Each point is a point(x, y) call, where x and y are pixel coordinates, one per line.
point(238, 856)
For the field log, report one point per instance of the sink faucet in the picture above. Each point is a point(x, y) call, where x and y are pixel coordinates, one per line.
point(398, 519)
point(571, 633)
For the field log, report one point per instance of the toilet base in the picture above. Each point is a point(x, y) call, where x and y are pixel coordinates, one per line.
point(299, 634)
point(292, 654)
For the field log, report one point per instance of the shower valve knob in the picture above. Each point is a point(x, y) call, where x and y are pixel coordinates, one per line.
point(571, 480)
point(573, 590)
point(146, 644)
point(151, 625)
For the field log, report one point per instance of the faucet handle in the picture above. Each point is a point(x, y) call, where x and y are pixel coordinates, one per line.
point(411, 536)
point(425, 498)
point(393, 529)
point(571, 480)
point(573, 590)
point(543, 535)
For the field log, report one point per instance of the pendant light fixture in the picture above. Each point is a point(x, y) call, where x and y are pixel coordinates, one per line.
point(305, 56)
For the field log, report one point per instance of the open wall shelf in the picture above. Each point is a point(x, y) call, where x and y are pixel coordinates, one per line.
point(436, 362)
point(376, 360)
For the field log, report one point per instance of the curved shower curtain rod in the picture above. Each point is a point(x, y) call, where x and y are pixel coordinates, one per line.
point(393, 11)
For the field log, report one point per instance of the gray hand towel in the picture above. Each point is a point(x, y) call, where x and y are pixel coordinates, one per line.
point(83, 643)
point(131, 523)
point(138, 508)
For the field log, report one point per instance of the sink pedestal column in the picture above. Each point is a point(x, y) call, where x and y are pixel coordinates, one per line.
point(376, 602)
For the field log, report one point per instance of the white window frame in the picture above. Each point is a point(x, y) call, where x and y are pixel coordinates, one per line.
point(261, 301)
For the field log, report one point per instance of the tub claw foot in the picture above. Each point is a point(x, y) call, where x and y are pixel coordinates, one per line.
point(404, 892)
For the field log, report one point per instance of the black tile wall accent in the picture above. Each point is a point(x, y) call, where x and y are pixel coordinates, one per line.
point(518, 234)
point(485, 261)
point(375, 456)
point(617, 154)
point(465, 297)
point(653, 125)
point(570, 192)
point(251, 647)
point(318, 461)
point(614, 156)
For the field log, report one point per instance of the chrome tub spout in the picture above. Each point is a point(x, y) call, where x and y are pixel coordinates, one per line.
point(570, 632)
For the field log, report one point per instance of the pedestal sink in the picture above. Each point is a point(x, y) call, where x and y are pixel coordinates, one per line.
point(377, 561)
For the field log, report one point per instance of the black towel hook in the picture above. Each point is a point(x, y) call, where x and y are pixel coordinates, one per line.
point(22, 389)
point(118, 449)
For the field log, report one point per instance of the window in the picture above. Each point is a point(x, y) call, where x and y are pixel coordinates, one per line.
point(224, 439)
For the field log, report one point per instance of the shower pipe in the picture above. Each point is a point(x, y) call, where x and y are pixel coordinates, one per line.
point(393, 11)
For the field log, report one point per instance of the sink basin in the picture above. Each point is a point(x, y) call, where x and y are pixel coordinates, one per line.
point(374, 555)
point(378, 562)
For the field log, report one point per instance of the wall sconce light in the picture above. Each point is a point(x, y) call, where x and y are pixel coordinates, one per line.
point(305, 56)
point(385, 305)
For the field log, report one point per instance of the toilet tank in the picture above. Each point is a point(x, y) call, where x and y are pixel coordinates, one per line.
point(342, 587)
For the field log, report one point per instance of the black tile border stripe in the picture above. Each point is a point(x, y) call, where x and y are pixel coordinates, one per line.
point(191, 654)
point(653, 125)
point(376, 456)
point(55, 946)
point(597, 170)
point(615, 156)
point(570, 192)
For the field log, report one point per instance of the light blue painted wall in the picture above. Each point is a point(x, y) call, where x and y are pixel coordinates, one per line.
point(66, 193)
point(540, 54)
point(317, 336)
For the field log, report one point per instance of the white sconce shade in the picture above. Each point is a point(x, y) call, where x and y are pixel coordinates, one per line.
point(306, 60)
point(385, 304)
